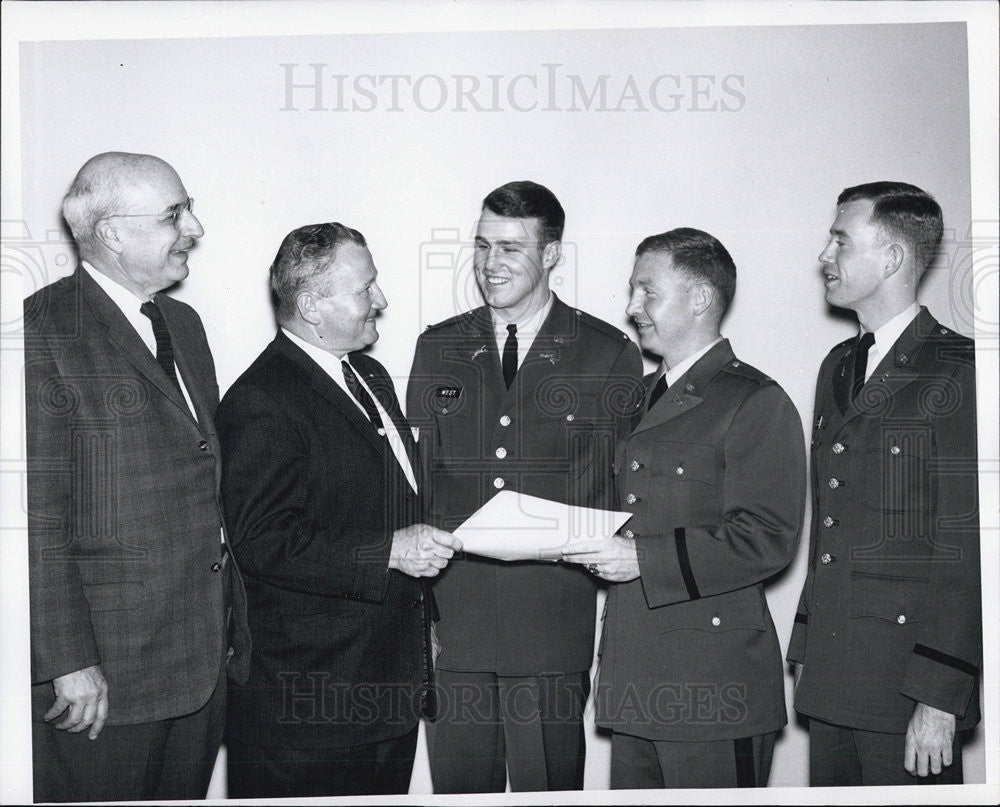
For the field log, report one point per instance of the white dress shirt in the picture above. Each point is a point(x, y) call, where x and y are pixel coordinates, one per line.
point(886, 336)
point(527, 330)
point(331, 365)
point(129, 303)
point(675, 372)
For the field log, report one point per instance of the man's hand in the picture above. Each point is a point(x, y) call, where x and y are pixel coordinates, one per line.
point(796, 676)
point(421, 550)
point(85, 694)
point(928, 740)
point(613, 559)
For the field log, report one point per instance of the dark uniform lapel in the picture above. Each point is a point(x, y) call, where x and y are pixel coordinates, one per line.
point(552, 350)
point(486, 352)
point(685, 393)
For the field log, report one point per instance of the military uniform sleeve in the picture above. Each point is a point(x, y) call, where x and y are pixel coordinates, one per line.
point(947, 655)
point(265, 497)
point(763, 499)
point(421, 377)
point(62, 636)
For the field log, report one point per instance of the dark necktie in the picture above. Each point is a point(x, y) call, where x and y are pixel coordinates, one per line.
point(861, 362)
point(164, 347)
point(361, 396)
point(510, 355)
point(658, 389)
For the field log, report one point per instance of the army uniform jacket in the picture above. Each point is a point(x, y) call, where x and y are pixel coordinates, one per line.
point(890, 613)
point(551, 435)
point(715, 475)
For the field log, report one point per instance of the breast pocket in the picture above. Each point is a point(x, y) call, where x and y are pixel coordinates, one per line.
point(687, 463)
point(896, 476)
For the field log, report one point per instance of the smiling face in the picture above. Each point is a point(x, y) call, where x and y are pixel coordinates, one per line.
point(152, 251)
point(855, 257)
point(662, 305)
point(349, 305)
point(512, 264)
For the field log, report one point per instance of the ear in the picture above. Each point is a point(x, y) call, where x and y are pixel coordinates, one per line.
point(895, 255)
point(702, 297)
point(108, 234)
point(551, 254)
point(305, 304)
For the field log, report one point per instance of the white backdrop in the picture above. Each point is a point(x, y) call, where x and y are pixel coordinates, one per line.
point(746, 132)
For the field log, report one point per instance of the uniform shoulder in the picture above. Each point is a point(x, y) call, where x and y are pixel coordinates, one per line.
point(740, 368)
point(951, 346)
point(453, 322)
point(599, 326)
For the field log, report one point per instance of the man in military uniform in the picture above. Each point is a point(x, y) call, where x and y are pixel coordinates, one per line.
point(887, 640)
point(524, 394)
point(714, 471)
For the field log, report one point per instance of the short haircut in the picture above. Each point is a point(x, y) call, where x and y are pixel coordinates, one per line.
point(304, 255)
point(904, 212)
point(99, 190)
point(698, 255)
point(529, 200)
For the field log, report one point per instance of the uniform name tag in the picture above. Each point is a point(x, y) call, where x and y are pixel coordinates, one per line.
point(449, 392)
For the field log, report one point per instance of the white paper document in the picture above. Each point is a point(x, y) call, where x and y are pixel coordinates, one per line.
point(516, 526)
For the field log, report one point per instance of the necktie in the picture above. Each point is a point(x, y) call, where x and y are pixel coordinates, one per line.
point(861, 362)
point(164, 347)
point(510, 355)
point(361, 396)
point(658, 389)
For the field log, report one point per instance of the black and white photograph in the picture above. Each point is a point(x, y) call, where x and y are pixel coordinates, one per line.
point(557, 403)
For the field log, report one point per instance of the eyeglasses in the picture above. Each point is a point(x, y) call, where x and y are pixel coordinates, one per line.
point(172, 214)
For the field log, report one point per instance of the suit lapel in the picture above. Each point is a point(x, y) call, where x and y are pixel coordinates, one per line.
point(381, 386)
point(486, 352)
point(552, 350)
point(186, 349)
point(684, 394)
point(123, 338)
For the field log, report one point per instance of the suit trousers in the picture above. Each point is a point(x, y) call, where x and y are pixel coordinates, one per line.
point(637, 763)
point(843, 756)
point(379, 768)
point(488, 726)
point(165, 759)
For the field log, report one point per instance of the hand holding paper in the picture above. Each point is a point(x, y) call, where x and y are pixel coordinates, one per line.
point(613, 558)
point(516, 526)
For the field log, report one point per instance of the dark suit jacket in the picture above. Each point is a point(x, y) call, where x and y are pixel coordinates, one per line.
point(556, 427)
point(891, 609)
point(123, 510)
point(312, 496)
point(715, 474)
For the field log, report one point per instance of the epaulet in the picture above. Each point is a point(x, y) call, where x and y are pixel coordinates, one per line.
point(599, 325)
point(841, 345)
point(741, 368)
point(466, 315)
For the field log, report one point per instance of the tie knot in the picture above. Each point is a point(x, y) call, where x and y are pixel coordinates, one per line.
point(512, 329)
point(150, 309)
point(866, 341)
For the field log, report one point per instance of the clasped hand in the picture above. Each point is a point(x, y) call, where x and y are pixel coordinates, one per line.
point(614, 558)
point(421, 550)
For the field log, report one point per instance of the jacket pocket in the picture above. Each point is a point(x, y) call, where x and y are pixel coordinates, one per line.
point(686, 462)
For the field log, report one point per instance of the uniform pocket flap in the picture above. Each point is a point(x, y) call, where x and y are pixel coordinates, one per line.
point(891, 598)
point(737, 610)
point(692, 462)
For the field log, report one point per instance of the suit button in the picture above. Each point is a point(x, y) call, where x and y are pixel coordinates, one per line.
point(716, 621)
point(826, 558)
point(631, 498)
point(570, 418)
point(894, 450)
point(216, 566)
point(679, 470)
point(834, 483)
point(838, 448)
point(635, 465)
point(628, 534)
point(203, 445)
point(416, 603)
point(498, 482)
point(501, 453)
point(504, 420)
point(829, 522)
point(901, 619)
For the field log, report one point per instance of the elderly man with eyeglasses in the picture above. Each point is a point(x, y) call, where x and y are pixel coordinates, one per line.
point(137, 608)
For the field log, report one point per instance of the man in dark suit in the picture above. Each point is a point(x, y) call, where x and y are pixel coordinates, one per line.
point(130, 583)
point(887, 642)
point(320, 492)
point(524, 394)
point(714, 472)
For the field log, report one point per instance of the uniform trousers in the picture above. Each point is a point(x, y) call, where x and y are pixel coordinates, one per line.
point(165, 759)
point(637, 763)
point(488, 726)
point(371, 769)
point(844, 756)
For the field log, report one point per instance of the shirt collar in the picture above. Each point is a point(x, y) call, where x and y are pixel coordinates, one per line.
point(125, 299)
point(330, 363)
point(887, 334)
point(678, 370)
point(528, 326)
